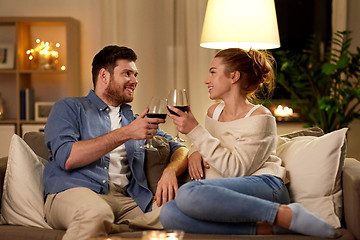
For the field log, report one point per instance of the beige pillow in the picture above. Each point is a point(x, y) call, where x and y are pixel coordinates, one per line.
point(314, 166)
point(22, 202)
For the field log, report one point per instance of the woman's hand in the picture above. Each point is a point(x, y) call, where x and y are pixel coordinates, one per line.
point(185, 122)
point(195, 166)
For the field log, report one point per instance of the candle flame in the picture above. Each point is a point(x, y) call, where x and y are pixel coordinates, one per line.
point(283, 111)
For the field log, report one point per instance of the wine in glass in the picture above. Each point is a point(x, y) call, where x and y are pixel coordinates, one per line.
point(157, 109)
point(177, 98)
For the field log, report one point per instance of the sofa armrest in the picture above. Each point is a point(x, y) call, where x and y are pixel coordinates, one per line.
point(3, 165)
point(351, 195)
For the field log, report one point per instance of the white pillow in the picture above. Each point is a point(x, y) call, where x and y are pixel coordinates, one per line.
point(22, 201)
point(314, 166)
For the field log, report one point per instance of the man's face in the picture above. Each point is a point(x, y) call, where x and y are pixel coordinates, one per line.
point(122, 83)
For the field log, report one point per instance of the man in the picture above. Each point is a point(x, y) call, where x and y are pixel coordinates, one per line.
point(96, 177)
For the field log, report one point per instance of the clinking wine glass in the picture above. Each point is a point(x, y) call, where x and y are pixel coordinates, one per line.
point(157, 109)
point(177, 98)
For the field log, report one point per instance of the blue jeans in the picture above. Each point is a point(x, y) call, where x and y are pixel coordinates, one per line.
point(225, 205)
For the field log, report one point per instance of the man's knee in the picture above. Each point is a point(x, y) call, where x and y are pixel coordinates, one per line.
point(97, 212)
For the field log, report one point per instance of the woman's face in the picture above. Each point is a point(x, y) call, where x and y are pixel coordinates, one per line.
point(218, 83)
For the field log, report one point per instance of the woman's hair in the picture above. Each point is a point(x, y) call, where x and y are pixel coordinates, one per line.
point(255, 67)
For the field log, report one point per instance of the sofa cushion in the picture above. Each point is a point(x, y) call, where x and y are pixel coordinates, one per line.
point(314, 166)
point(3, 163)
point(313, 131)
point(36, 141)
point(22, 201)
point(156, 161)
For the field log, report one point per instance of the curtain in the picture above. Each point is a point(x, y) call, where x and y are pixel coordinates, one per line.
point(165, 34)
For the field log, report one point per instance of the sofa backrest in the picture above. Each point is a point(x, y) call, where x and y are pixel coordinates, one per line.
point(36, 141)
point(154, 165)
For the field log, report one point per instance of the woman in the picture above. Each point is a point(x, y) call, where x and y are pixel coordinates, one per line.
point(246, 194)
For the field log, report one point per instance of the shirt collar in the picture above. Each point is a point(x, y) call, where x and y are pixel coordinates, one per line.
point(97, 101)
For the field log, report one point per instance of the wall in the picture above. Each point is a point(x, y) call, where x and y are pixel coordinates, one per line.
point(85, 11)
point(97, 30)
point(352, 21)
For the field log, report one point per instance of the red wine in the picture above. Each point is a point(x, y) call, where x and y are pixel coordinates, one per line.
point(182, 108)
point(156, 115)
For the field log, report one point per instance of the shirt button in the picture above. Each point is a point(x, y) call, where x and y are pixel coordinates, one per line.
point(104, 181)
point(105, 168)
point(100, 109)
point(107, 109)
point(107, 117)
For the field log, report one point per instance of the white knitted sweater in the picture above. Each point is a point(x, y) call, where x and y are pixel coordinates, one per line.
point(242, 147)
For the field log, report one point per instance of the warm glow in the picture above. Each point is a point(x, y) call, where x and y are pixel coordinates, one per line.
point(44, 54)
point(240, 24)
point(285, 111)
point(63, 68)
point(172, 236)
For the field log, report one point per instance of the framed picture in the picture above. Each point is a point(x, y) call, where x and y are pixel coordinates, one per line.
point(7, 56)
point(42, 110)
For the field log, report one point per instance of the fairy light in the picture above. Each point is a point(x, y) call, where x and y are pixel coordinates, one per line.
point(44, 54)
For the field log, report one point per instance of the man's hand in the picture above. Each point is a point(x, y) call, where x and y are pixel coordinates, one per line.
point(143, 128)
point(195, 166)
point(167, 187)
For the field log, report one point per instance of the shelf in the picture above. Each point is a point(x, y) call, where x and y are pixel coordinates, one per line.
point(7, 71)
point(6, 121)
point(42, 71)
point(48, 85)
point(31, 122)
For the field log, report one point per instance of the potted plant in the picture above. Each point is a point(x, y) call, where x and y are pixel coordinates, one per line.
point(325, 88)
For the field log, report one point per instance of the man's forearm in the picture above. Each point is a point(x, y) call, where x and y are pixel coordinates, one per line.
point(85, 152)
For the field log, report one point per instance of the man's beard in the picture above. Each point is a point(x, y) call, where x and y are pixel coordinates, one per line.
point(116, 95)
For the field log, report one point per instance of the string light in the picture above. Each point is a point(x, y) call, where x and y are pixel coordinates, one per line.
point(44, 56)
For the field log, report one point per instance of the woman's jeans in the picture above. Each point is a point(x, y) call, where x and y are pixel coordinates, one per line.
point(225, 205)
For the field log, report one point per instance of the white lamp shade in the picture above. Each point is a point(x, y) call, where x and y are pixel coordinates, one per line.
point(240, 24)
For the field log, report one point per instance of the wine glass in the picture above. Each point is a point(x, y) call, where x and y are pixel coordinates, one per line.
point(157, 109)
point(177, 98)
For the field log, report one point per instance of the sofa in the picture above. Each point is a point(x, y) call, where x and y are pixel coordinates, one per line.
point(347, 178)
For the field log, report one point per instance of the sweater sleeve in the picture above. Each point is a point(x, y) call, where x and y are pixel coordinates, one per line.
point(242, 151)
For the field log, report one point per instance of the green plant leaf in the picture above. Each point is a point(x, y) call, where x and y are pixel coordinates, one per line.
point(343, 62)
point(328, 68)
point(326, 90)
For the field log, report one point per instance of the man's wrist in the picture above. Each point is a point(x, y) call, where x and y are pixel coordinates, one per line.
point(170, 170)
point(121, 135)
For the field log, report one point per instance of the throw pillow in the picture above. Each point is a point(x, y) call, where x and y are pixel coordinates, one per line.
point(313, 131)
point(36, 141)
point(314, 166)
point(22, 201)
point(156, 161)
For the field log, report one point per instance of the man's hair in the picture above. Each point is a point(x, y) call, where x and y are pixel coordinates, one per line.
point(107, 58)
